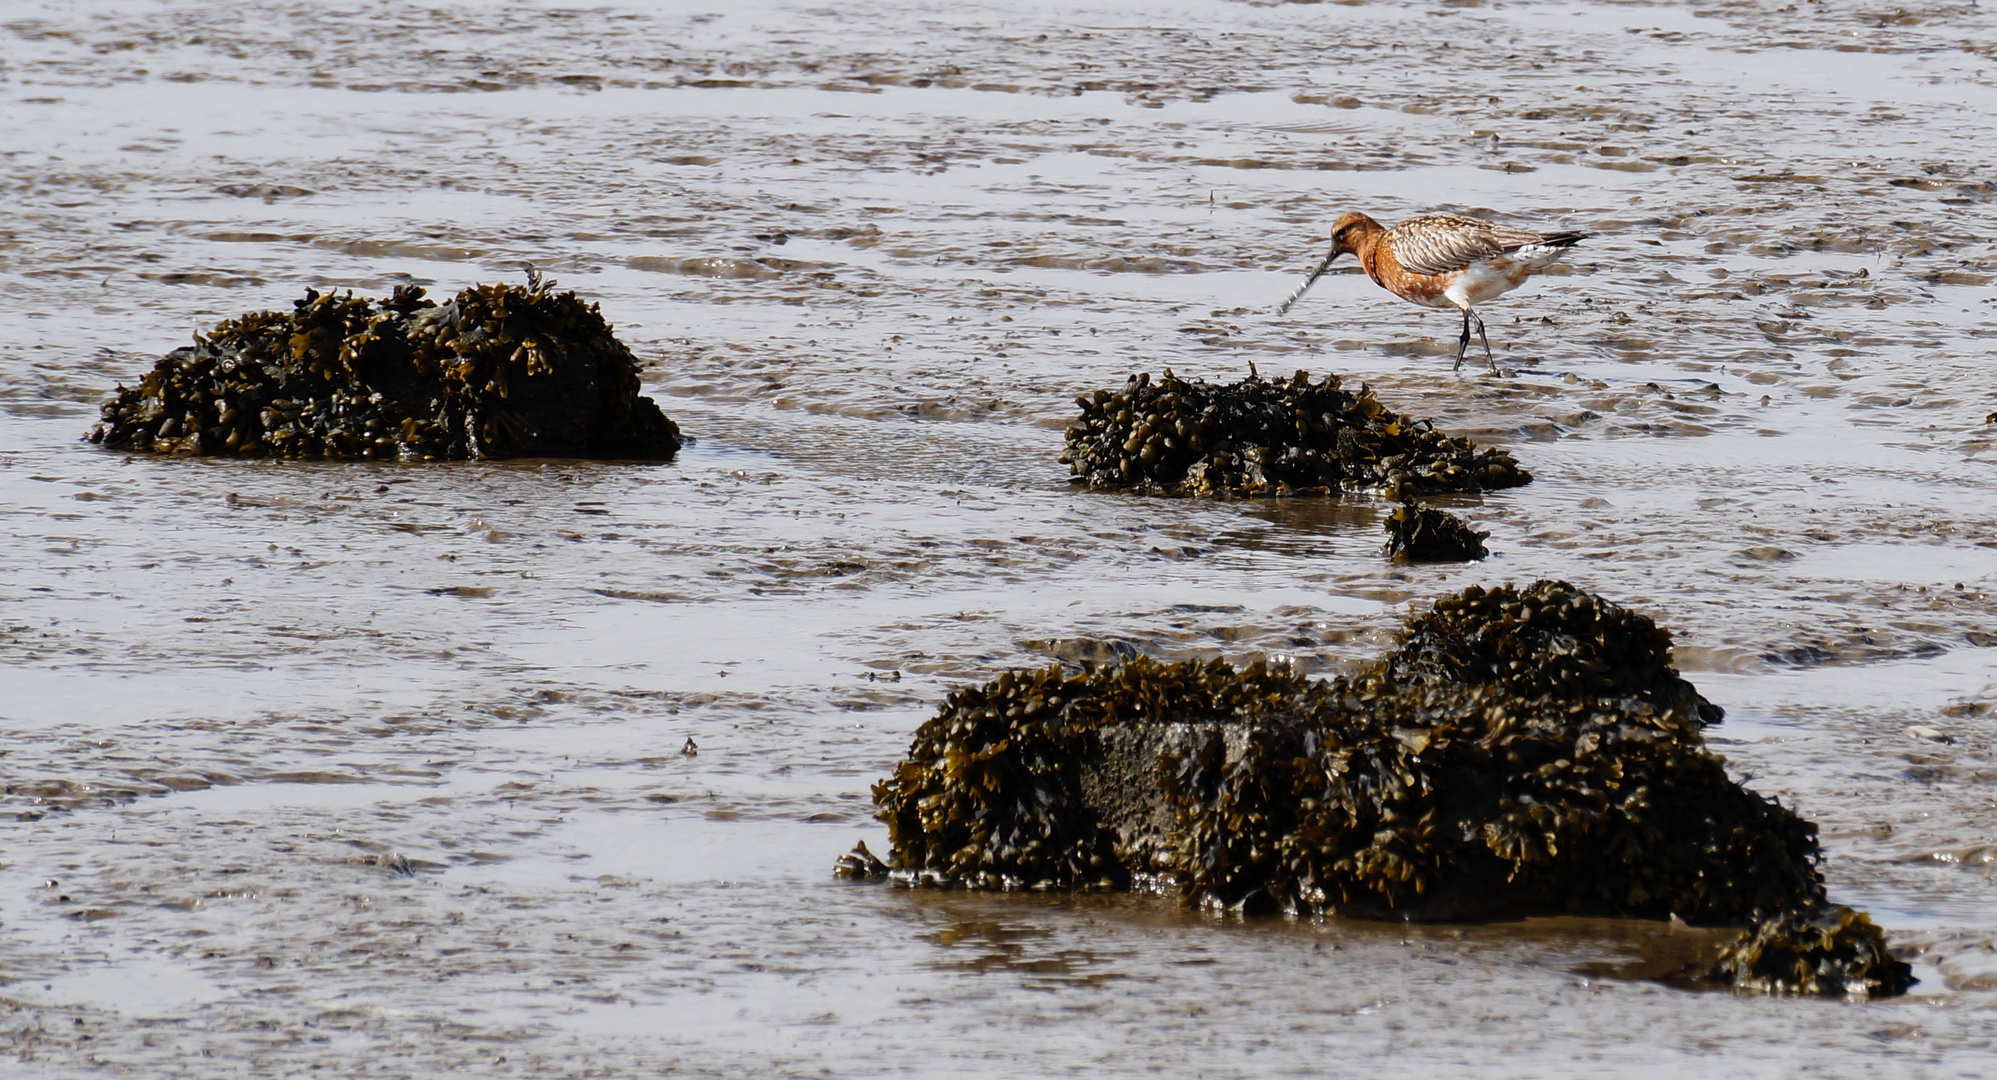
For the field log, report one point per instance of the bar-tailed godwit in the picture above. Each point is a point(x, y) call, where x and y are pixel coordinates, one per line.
point(1441, 260)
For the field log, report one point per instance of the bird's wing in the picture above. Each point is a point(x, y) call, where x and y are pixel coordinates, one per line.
point(1439, 243)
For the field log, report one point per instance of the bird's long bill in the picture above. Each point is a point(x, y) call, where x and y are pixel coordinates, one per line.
point(1309, 281)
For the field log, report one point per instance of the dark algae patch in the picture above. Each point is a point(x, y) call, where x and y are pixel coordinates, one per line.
point(1421, 534)
point(497, 371)
point(1548, 639)
point(860, 864)
point(1524, 751)
point(1827, 950)
point(1017, 783)
point(1268, 437)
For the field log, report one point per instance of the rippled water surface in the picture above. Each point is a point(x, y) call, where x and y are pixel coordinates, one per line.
point(377, 770)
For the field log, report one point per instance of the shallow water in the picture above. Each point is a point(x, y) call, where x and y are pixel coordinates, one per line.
point(377, 770)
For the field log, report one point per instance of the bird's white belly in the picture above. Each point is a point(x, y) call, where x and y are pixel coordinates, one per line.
point(1483, 280)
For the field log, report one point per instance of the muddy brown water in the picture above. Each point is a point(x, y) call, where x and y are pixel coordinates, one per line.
point(377, 770)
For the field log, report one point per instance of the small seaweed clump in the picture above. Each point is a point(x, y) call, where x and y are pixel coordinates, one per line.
point(1506, 788)
point(499, 371)
point(1824, 950)
point(860, 864)
point(1420, 534)
point(1260, 437)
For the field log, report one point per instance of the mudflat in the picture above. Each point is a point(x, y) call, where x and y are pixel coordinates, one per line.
point(379, 767)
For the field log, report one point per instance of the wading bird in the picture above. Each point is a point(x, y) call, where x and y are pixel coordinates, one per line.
point(1440, 260)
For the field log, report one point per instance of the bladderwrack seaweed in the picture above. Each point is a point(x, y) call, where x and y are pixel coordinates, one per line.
point(1549, 638)
point(1422, 534)
point(1819, 950)
point(1268, 437)
point(497, 371)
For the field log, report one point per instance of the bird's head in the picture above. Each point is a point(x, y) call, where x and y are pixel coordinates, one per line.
point(1347, 231)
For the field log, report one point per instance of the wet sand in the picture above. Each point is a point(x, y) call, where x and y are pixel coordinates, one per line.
point(377, 770)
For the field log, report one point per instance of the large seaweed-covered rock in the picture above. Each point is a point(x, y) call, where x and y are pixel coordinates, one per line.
point(1824, 950)
point(1422, 534)
point(498, 371)
point(1268, 437)
point(1523, 751)
point(1398, 792)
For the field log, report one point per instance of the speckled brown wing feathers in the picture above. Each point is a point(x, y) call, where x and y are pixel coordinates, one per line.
point(1439, 243)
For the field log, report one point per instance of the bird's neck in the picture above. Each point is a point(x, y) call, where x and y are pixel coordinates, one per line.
point(1367, 248)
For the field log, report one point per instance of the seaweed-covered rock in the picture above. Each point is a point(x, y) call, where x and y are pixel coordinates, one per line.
point(1548, 639)
point(498, 371)
point(1421, 534)
point(1825, 950)
point(1397, 792)
point(1260, 437)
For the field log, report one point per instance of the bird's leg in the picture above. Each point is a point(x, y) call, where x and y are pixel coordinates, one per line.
point(1463, 343)
point(1482, 338)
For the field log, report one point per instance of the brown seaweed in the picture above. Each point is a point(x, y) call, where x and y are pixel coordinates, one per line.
point(859, 864)
point(1421, 534)
point(1268, 437)
point(1549, 638)
point(498, 371)
point(1824, 950)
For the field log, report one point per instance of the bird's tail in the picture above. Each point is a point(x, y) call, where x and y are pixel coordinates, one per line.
point(1562, 240)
